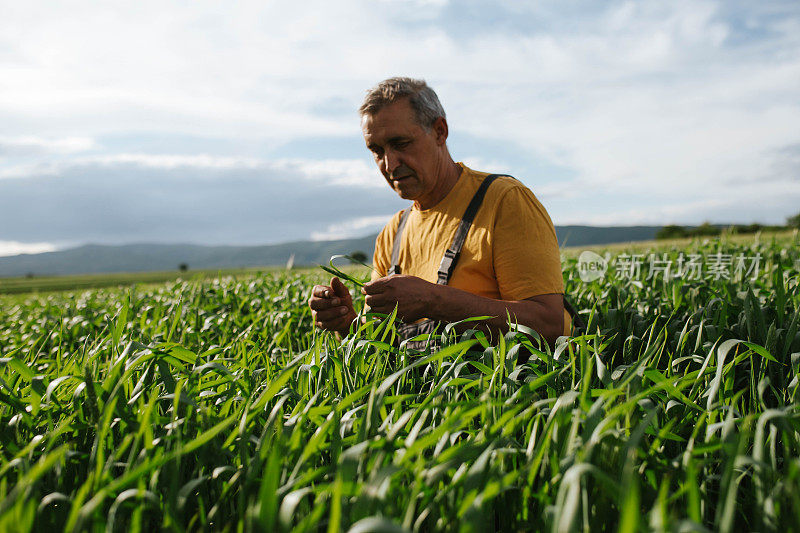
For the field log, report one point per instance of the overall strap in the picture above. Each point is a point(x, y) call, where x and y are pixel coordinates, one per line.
point(395, 268)
point(450, 258)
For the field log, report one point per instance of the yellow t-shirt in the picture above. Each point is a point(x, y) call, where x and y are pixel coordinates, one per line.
point(511, 251)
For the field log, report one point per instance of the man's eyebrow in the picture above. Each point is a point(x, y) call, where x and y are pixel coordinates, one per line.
point(393, 140)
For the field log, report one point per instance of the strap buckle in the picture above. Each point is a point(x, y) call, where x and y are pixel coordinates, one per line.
point(446, 266)
point(447, 261)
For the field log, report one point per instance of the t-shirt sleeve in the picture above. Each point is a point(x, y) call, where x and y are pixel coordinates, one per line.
point(383, 248)
point(527, 260)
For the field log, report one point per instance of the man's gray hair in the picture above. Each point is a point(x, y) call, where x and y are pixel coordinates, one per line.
point(423, 100)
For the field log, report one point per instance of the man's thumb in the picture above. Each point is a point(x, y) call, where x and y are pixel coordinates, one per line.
point(339, 289)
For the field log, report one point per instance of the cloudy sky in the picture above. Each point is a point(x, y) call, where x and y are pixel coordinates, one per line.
point(212, 122)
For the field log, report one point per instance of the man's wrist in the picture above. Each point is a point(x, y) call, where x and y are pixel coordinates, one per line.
point(449, 304)
point(434, 302)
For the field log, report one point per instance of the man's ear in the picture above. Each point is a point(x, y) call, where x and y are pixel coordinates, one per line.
point(440, 130)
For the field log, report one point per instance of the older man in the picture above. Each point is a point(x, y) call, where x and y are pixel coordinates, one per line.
point(432, 261)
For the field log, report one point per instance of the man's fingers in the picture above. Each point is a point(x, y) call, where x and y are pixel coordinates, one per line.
point(337, 319)
point(322, 298)
point(375, 301)
point(339, 288)
point(321, 304)
point(328, 315)
point(383, 309)
point(321, 291)
point(376, 287)
point(330, 325)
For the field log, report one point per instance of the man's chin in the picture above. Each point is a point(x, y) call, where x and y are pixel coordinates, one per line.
point(407, 194)
point(405, 191)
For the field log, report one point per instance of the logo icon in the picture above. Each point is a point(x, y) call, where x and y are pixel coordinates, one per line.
point(591, 266)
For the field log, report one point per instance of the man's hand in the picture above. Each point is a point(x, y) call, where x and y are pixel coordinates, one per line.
point(410, 294)
point(332, 307)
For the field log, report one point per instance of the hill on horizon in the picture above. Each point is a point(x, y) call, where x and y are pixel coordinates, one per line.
point(146, 257)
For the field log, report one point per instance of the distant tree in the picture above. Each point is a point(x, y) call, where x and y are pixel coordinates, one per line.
point(671, 232)
point(705, 230)
point(744, 228)
point(183, 267)
point(357, 256)
point(793, 222)
point(753, 228)
point(29, 275)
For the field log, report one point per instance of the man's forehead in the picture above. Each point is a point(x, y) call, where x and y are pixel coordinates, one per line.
point(396, 118)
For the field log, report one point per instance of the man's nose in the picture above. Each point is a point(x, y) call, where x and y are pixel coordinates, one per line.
point(390, 161)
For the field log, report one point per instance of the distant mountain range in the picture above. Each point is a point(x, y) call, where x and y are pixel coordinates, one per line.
point(93, 258)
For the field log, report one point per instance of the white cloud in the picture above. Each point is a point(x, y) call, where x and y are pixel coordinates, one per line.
point(351, 228)
point(497, 167)
point(154, 161)
point(15, 248)
point(344, 172)
point(32, 145)
point(721, 206)
point(651, 216)
point(172, 161)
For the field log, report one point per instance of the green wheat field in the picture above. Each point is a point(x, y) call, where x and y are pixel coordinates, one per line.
point(213, 405)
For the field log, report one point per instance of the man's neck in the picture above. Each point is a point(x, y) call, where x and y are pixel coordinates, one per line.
point(447, 178)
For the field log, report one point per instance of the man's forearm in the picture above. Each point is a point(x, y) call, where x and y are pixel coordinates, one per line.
point(448, 304)
point(416, 298)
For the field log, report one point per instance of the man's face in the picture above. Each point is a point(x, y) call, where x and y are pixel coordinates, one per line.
point(408, 155)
